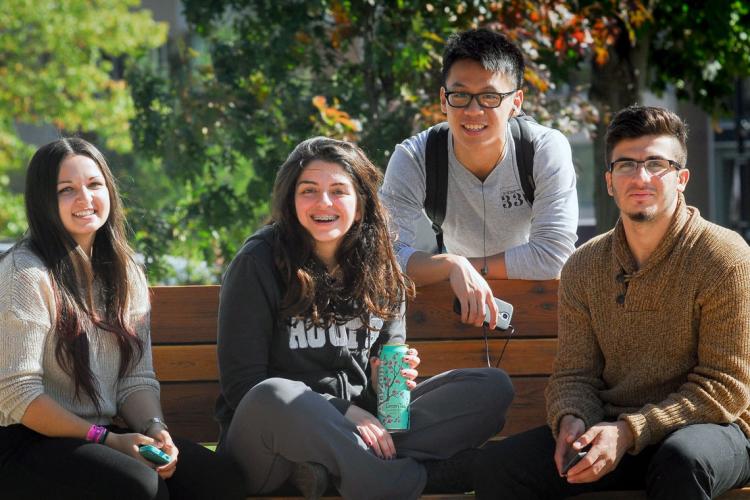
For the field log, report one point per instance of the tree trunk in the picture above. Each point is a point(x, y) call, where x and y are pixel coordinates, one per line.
point(614, 85)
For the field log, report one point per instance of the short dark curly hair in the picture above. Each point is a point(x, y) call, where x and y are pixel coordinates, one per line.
point(636, 121)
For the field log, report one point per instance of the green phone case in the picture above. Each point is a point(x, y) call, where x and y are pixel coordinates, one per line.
point(154, 454)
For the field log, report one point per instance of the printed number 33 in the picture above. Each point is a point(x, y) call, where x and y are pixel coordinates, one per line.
point(512, 200)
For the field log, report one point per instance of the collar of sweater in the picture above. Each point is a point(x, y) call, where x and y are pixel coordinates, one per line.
point(623, 257)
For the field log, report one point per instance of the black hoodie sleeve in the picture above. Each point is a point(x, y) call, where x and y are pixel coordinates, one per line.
point(246, 325)
point(394, 331)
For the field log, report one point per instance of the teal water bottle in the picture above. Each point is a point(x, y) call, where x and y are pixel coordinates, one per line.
point(393, 395)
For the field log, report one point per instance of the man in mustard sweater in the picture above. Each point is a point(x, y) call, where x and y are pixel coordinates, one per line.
point(652, 376)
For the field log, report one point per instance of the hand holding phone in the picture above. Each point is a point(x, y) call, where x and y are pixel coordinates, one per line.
point(154, 454)
point(573, 457)
point(504, 313)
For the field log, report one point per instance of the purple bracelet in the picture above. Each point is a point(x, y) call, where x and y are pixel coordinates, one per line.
point(97, 434)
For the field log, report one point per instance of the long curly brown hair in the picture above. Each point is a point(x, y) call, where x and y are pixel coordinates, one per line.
point(371, 281)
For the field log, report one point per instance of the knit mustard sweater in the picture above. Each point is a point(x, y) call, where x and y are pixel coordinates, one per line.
point(660, 347)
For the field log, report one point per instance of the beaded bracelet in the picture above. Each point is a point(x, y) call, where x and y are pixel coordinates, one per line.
point(97, 434)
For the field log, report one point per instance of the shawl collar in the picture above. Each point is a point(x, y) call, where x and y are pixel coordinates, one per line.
point(622, 257)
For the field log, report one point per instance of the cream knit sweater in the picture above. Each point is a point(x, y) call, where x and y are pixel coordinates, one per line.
point(28, 367)
point(661, 347)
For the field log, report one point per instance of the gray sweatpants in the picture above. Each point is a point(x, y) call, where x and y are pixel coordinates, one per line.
point(280, 422)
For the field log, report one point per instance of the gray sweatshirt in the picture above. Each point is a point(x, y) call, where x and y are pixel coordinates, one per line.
point(536, 240)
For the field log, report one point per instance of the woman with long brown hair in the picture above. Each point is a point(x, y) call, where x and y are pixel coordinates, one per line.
point(75, 350)
point(304, 305)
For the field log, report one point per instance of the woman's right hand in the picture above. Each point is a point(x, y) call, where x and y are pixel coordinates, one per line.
point(372, 431)
point(129, 443)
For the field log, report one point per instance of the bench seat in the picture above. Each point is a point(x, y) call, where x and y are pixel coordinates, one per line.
point(741, 493)
point(183, 328)
point(737, 494)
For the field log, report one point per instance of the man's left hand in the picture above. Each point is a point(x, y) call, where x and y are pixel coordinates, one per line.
point(609, 442)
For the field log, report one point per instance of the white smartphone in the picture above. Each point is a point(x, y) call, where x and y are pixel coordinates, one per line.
point(504, 313)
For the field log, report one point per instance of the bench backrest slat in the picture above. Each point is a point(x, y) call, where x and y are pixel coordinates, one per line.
point(184, 318)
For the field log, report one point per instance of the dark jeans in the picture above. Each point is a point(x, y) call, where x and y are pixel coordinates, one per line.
point(696, 462)
point(33, 466)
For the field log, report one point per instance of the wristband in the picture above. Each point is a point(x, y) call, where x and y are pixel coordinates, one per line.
point(151, 421)
point(96, 434)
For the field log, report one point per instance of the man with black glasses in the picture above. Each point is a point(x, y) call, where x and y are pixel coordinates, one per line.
point(505, 205)
point(651, 385)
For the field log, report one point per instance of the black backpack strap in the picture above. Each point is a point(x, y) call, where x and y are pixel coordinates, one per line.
point(519, 129)
point(436, 179)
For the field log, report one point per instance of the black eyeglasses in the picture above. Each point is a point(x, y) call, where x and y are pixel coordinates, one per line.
point(654, 166)
point(484, 99)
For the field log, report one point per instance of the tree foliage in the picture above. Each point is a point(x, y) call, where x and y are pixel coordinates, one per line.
point(199, 128)
point(59, 62)
point(698, 49)
point(267, 74)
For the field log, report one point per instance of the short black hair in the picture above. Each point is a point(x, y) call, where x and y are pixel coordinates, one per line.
point(636, 121)
point(494, 51)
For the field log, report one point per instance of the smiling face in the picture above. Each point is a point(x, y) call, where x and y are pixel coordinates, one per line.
point(478, 131)
point(327, 206)
point(642, 197)
point(82, 199)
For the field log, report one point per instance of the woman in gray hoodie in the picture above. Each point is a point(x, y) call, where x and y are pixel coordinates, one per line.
point(304, 305)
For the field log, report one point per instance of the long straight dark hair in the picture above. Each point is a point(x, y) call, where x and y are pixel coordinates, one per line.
point(372, 281)
point(72, 274)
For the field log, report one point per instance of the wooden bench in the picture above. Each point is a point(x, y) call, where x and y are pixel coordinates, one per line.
point(183, 323)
